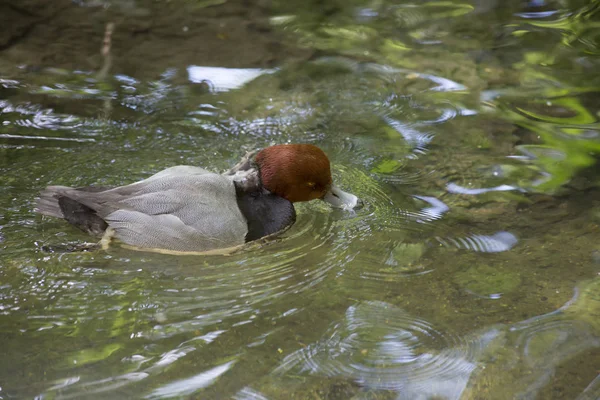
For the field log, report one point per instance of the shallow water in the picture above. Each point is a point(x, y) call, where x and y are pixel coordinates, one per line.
point(470, 130)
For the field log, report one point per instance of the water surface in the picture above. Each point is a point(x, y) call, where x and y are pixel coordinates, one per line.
point(470, 130)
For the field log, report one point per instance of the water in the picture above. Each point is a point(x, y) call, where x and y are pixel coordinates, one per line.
point(470, 130)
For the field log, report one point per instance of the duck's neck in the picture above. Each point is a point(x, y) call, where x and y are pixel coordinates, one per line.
point(265, 212)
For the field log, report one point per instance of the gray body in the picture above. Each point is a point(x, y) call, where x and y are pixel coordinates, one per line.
point(179, 209)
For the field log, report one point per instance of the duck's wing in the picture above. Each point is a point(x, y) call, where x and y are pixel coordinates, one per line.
point(179, 170)
point(192, 212)
point(171, 210)
point(48, 202)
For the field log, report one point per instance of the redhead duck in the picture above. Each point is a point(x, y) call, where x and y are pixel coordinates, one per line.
point(189, 209)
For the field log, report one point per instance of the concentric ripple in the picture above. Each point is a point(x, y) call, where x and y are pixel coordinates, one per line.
point(495, 243)
point(392, 226)
point(381, 347)
point(233, 288)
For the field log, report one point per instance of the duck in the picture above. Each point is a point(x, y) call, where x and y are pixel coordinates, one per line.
point(190, 209)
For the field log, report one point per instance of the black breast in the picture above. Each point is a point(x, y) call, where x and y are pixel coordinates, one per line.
point(265, 212)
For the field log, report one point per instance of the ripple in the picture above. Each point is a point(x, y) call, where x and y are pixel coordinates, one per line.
point(45, 138)
point(99, 386)
point(416, 139)
point(381, 347)
point(35, 116)
point(249, 394)
point(391, 228)
point(381, 212)
point(223, 291)
point(349, 149)
point(268, 127)
point(435, 211)
point(234, 289)
point(498, 242)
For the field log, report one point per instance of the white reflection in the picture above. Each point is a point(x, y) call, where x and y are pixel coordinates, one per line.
point(170, 357)
point(224, 79)
point(249, 394)
point(416, 139)
point(436, 211)
point(65, 382)
point(60, 139)
point(188, 386)
point(444, 84)
point(454, 188)
point(496, 243)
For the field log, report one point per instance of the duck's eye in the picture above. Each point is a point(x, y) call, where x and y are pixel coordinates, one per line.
point(315, 187)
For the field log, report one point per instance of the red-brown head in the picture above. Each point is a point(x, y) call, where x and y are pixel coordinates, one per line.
point(296, 172)
point(300, 172)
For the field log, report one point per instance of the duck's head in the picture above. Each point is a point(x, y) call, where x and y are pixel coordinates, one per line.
point(299, 172)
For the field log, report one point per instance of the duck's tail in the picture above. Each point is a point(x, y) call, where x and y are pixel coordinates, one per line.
point(47, 203)
point(57, 201)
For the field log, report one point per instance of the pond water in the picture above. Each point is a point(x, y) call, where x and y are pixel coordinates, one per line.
point(469, 128)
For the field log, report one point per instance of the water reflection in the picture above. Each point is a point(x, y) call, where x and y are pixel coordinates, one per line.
point(224, 79)
point(435, 211)
point(499, 241)
point(249, 394)
point(454, 188)
point(190, 385)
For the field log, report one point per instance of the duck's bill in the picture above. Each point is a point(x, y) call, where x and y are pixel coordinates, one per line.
point(340, 199)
